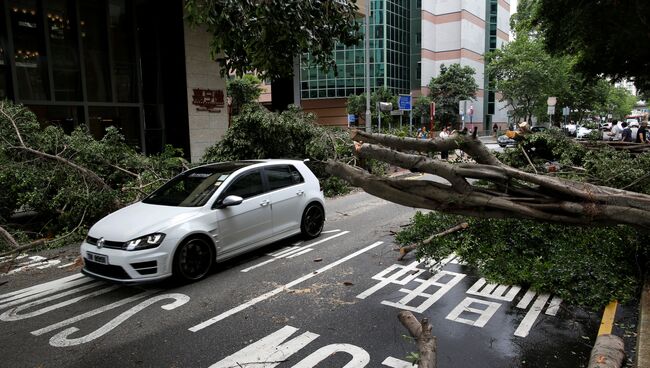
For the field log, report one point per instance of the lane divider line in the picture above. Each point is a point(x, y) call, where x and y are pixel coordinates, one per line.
point(280, 289)
point(292, 252)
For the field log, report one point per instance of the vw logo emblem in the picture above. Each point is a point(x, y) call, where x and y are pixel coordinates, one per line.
point(100, 242)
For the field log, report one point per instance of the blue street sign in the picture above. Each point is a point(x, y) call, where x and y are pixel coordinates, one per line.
point(352, 118)
point(404, 102)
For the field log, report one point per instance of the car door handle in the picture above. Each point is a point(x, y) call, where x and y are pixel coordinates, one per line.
point(300, 192)
point(264, 203)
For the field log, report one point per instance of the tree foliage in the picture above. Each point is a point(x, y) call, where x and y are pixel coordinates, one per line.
point(69, 181)
point(527, 74)
point(549, 218)
point(265, 35)
point(585, 266)
point(257, 133)
point(243, 90)
point(454, 84)
point(603, 36)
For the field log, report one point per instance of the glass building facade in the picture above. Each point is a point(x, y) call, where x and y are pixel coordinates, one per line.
point(97, 63)
point(390, 57)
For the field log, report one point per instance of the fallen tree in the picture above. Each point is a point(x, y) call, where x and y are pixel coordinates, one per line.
point(487, 188)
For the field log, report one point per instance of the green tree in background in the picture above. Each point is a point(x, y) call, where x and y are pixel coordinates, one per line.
point(454, 84)
point(601, 35)
point(243, 90)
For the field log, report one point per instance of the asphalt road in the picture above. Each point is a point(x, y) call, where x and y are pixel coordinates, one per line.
point(330, 302)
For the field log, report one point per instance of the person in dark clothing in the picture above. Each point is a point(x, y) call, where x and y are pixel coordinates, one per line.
point(642, 133)
point(626, 135)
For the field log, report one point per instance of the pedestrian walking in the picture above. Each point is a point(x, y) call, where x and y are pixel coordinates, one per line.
point(495, 129)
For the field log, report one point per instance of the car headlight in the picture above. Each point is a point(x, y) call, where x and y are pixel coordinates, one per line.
point(145, 242)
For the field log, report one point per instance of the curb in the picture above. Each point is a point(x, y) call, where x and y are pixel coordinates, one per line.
point(643, 335)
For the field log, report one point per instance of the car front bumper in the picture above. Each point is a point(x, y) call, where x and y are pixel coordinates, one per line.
point(124, 266)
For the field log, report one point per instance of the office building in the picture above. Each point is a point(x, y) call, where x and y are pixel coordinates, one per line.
point(132, 64)
point(409, 41)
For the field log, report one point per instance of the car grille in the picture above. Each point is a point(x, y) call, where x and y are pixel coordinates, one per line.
point(145, 268)
point(112, 271)
point(107, 243)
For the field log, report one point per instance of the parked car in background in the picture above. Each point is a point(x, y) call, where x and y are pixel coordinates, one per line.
point(537, 129)
point(607, 126)
point(504, 141)
point(206, 214)
point(570, 129)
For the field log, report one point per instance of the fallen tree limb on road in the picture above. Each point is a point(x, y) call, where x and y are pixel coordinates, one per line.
point(509, 193)
point(403, 251)
point(425, 341)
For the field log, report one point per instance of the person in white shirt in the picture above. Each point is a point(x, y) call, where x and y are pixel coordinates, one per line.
point(444, 134)
point(615, 132)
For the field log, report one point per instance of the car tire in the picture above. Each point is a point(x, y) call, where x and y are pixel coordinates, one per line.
point(193, 259)
point(313, 219)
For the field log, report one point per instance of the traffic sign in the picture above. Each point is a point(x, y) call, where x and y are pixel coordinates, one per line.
point(404, 102)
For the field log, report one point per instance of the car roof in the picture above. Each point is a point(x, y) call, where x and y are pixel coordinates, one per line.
point(236, 165)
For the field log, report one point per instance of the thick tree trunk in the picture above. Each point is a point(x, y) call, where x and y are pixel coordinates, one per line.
point(608, 352)
point(425, 341)
point(511, 193)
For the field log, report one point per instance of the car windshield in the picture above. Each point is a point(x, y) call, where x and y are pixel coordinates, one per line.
point(193, 188)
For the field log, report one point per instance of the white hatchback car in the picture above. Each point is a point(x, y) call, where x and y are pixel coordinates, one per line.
point(204, 215)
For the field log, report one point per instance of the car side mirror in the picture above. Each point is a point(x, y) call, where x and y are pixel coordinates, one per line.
point(231, 200)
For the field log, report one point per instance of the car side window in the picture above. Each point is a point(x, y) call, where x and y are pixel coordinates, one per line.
point(246, 186)
point(282, 176)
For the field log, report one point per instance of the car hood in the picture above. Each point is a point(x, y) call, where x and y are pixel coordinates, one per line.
point(141, 219)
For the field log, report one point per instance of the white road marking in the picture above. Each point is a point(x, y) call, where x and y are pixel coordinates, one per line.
point(360, 357)
point(421, 292)
point(269, 351)
point(38, 291)
point(13, 314)
point(525, 300)
point(61, 339)
point(304, 251)
point(271, 293)
point(34, 262)
point(330, 231)
point(528, 321)
point(93, 312)
point(403, 276)
point(553, 306)
point(291, 252)
point(66, 265)
point(493, 291)
point(396, 363)
point(484, 315)
point(284, 251)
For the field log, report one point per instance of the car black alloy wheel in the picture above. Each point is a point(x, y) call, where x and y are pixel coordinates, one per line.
point(193, 259)
point(312, 221)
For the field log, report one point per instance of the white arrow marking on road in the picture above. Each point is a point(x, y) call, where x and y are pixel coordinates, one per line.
point(271, 293)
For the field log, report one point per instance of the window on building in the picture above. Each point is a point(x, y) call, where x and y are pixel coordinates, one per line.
point(64, 50)
point(29, 50)
point(92, 22)
point(5, 87)
point(121, 37)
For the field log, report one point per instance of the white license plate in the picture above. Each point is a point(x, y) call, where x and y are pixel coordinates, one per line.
point(98, 258)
